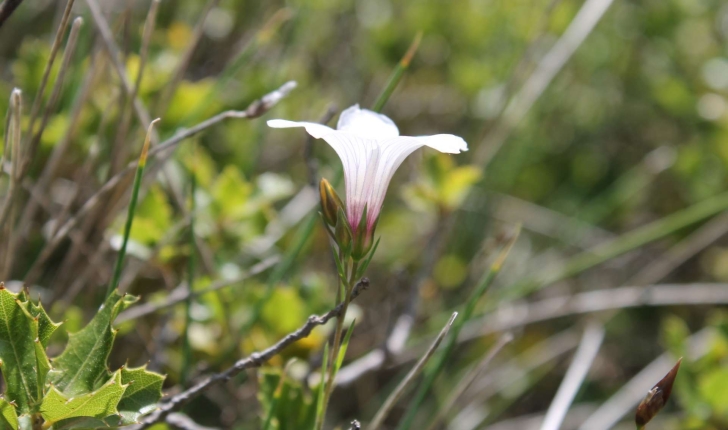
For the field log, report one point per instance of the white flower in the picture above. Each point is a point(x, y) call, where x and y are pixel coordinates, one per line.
point(371, 150)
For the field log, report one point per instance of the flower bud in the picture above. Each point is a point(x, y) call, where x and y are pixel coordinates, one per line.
point(330, 202)
point(656, 398)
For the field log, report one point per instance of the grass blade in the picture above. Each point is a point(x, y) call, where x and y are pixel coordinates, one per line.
point(397, 74)
point(132, 206)
point(186, 348)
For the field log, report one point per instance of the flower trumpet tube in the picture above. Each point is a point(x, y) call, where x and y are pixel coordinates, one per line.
point(371, 149)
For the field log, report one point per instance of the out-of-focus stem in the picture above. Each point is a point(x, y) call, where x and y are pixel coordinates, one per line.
point(336, 346)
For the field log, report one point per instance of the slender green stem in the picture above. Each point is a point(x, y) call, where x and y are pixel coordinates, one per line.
point(397, 74)
point(336, 346)
point(186, 348)
point(132, 206)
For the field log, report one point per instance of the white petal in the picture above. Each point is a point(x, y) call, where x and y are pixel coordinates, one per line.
point(366, 123)
point(446, 143)
point(316, 130)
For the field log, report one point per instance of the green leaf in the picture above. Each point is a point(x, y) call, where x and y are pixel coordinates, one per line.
point(344, 346)
point(75, 412)
point(365, 264)
point(46, 327)
point(142, 393)
point(82, 365)
point(322, 387)
point(8, 416)
point(24, 362)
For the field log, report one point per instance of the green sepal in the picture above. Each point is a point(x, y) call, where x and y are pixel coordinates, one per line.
point(8, 415)
point(343, 234)
point(76, 412)
point(362, 238)
point(82, 365)
point(339, 265)
point(363, 267)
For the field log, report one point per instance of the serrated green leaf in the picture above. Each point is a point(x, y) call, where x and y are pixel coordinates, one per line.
point(8, 416)
point(82, 365)
point(23, 359)
point(75, 412)
point(142, 393)
point(46, 327)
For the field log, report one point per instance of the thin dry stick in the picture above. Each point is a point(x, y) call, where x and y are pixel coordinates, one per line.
point(512, 316)
point(181, 293)
point(254, 110)
point(469, 378)
point(55, 93)
point(515, 372)
point(59, 150)
point(46, 73)
point(181, 421)
point(149, 25)
point(409, 379)
point(254, 360)
point(678, 254)
point(580, 27)
point(7, 8)
point(585, 354)
point(184, 62)
point(627, 398)
point(14, 117)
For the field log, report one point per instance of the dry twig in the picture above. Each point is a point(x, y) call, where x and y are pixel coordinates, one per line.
point(256, 359)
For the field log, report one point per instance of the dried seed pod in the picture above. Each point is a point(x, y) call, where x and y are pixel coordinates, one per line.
point(656, 398)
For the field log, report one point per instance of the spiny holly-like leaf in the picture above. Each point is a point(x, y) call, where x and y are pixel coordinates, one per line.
point(82, 365)
point(75, 412)
point(46, 327)
point(142, 394)
point(24, 362)
point(8, 416)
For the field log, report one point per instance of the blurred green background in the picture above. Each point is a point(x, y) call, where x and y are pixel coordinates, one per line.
point(634, 128)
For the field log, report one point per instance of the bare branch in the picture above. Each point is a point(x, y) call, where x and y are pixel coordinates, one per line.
point(7, 8)
point(589, 346)
point(508, 317)
point(182, 421)
point(254, 360)
point(49, 64)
